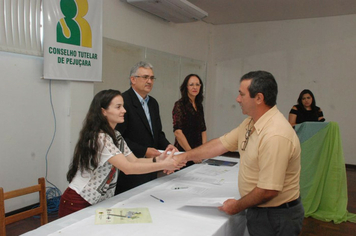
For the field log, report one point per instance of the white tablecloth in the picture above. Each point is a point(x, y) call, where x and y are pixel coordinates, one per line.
point(176, 216)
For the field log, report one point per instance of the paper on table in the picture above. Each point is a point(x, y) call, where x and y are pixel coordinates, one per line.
point(194, 178)
point(188, 188)
point(212, 170)
point(176, 153)
point(122, 216)
point(207, 202)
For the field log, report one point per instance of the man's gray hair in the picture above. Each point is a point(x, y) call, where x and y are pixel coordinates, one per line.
point(138, 65)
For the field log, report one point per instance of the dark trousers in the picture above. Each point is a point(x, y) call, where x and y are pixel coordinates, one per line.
point(71, 202)
point(275, 221)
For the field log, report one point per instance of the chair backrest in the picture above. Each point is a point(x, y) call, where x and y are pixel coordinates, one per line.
point(40, 210)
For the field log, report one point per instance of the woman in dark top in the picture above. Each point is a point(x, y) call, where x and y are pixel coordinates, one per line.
point(188, 115)
point(305, 110)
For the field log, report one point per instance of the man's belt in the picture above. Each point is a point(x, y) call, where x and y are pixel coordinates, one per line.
point(284, 205)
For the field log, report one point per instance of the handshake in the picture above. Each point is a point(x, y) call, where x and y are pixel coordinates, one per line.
point(175, 159)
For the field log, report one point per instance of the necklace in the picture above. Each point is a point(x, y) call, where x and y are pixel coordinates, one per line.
point(247, 136)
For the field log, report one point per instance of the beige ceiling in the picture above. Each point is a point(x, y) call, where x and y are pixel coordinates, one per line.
point(243, 11)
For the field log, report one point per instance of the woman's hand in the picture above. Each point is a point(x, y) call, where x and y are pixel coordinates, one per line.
point(169, 161)
point(170, 148)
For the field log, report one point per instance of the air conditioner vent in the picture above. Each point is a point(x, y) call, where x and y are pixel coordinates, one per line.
point(177, 11)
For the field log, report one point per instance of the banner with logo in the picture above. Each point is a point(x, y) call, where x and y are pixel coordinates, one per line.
point(72, 39)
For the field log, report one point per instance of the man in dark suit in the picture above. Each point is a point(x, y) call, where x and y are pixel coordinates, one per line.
point(142, 128)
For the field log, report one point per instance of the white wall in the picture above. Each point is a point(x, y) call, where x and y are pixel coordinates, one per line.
point(27, 122)
point(170, 70)
point(129, 24)
point(318, 54)
point(315, 53)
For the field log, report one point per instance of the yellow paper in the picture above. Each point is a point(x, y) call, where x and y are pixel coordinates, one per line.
point(122, 216)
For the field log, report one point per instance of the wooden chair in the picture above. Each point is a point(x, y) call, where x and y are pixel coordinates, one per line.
point(41, 210)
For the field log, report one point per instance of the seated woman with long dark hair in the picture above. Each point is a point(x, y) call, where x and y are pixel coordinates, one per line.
point(306, 109)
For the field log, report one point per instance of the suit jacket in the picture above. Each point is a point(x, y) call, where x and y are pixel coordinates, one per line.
point(137, 134)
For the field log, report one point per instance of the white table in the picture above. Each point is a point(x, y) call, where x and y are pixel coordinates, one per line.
point(174, 216)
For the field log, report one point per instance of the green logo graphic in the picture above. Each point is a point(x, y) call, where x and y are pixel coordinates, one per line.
point(73, 28)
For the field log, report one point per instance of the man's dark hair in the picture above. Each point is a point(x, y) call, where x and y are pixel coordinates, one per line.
point(262, 82)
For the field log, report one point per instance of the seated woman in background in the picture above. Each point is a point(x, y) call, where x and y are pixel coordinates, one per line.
point(305, 110)
point(188, 115)
point(100, 151)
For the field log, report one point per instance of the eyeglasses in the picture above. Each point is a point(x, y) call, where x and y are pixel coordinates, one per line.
point(247, 136)
point(191, 85)
point(145, 77)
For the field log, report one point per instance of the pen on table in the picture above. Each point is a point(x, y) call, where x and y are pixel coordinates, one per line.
point(184, 187)
point(116, 215)
point(157, 198)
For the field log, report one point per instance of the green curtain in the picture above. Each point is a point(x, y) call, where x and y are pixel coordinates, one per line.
point(323, 183)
